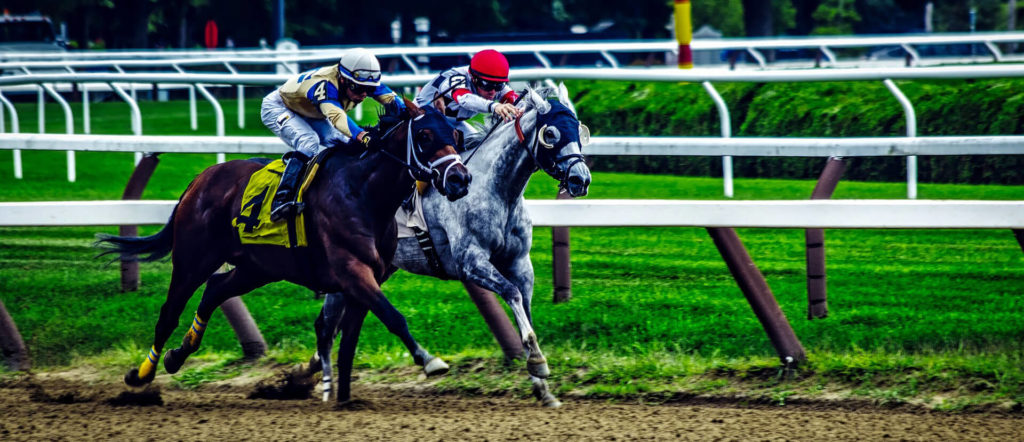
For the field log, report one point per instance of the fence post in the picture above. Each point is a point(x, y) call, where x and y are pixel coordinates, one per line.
point(253, 345)
point(496, 320)
point(817, 288)
point(1020, 238)
point(11, 344)
point(133, 191)
point(760, 297)
point(560, 259)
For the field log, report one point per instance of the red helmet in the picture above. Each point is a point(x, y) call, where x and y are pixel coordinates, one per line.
point(489, 65)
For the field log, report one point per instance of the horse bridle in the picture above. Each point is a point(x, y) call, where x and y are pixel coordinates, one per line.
point(532, 150)
point(417, 169)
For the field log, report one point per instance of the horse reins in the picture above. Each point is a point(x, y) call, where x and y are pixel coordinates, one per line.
point(418, 170)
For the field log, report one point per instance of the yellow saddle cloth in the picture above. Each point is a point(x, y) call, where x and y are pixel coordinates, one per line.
point(253, 222)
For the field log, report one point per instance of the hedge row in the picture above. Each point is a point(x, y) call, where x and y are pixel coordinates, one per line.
point(842, 109)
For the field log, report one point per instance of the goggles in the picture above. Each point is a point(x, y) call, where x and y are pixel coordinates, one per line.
point(366, 75)
point(488, 85)
point(360, 89)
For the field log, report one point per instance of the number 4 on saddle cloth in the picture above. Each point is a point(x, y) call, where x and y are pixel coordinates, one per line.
point(253, 221)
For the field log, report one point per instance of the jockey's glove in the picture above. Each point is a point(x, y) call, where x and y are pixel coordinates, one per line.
point(367, 142)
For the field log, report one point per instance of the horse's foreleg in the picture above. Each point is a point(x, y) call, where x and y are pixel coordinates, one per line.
point(219, 288)
point(326, 328)
point(395, 323)
point(366, 290)
point(521, 275)
point(184, 282)
point(352, 324)
point(485, 275)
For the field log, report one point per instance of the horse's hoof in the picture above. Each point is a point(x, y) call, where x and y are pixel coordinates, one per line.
point(172, 361)
point(435, 367)
point(132, 378)
point(550, 401)
point(538, 369)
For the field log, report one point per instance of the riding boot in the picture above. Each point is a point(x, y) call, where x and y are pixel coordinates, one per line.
point(285, 204)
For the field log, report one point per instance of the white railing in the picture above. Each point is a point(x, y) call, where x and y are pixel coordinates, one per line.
point(818, 214)
point(604, 53)
point(658, 146)
point(705, 76)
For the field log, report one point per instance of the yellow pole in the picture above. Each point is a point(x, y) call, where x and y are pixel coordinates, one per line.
point(684, 33)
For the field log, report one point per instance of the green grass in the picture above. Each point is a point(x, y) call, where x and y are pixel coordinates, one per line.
point(921, 316)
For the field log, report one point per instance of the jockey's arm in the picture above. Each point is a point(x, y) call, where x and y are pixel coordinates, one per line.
point(340, 119)
point(509, 95)
point(387, 97)
point(470, 101)
point(326, 98)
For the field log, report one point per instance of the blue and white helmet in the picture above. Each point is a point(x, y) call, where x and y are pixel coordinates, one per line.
point(360, 66)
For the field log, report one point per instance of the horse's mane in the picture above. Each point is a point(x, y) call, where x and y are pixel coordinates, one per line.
point(492, 121)
point(390, 116)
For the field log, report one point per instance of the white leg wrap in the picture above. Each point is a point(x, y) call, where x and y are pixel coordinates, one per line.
point(327, 389)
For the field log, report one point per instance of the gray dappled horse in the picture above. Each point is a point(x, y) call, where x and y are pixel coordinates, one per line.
point(485, 237)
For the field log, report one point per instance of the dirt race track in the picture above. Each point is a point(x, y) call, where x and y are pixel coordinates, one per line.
point(59, 409)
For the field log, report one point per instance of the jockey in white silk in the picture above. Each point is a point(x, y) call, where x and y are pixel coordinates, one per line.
point(463, 92)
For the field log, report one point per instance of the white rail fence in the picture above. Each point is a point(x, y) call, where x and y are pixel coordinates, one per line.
point(604, 53)
point(818, 214)
point(659, 146)
point(705, 76)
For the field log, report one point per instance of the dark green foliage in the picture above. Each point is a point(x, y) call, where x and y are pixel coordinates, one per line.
point(848, 109)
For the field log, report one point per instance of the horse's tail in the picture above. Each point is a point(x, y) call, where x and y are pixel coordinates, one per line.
point(130, 247)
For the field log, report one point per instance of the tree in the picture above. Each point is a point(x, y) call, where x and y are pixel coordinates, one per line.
point(954, 16)
point(758, 18)
point(723, 15)
point(835, 17)
point(805, 15)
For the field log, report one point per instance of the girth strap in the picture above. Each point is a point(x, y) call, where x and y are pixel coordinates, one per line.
point(430, 252)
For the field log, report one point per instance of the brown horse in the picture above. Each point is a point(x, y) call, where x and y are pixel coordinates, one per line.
point(349, 221)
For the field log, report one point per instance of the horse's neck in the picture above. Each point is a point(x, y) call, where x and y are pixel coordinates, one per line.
point(508, 164)
point(381, 182)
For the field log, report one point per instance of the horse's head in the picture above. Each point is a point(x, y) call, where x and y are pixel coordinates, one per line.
point(431, 149)
point(560, 137)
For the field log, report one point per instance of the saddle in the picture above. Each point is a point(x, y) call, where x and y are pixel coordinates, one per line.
point(412, 224)
point(253, 224)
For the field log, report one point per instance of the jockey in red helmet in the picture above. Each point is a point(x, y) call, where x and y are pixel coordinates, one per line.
point(482, 87)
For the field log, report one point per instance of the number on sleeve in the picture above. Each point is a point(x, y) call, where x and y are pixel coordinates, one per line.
point(321, 91)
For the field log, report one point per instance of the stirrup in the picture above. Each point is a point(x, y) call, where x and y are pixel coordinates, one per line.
point(286, 210)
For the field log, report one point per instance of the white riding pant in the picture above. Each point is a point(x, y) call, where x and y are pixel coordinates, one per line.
point(306, 135)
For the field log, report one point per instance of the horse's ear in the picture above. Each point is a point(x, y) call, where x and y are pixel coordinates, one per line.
point(538, 102)
point(563, 97)
point(414, 110)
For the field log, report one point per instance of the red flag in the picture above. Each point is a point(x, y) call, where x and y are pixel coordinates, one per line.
point(210, 34)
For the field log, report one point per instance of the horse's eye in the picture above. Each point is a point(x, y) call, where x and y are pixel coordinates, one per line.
point(423, 137)
point(551, 136)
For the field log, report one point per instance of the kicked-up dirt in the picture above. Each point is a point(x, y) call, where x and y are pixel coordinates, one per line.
point(51, 408)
